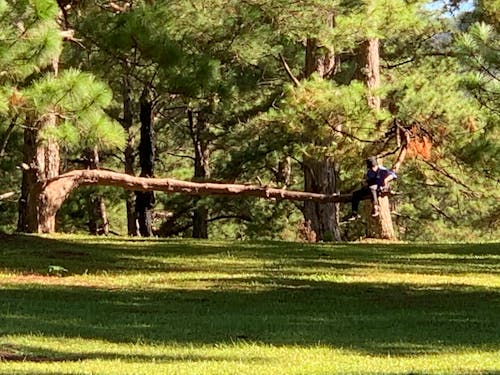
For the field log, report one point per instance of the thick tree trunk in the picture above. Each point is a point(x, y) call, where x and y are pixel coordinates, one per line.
point(201, 171)
point(56, 190)
point(320, 174)
point(369, 71)
point(129, 155)
point(319, 59)
point(322, 218)
point(41, 161)
point(380, 226)
point(145, 200)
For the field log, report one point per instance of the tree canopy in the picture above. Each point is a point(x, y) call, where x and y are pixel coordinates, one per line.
point(284, 95)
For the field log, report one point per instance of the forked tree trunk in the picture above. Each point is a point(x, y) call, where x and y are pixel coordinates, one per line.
point(56, 190)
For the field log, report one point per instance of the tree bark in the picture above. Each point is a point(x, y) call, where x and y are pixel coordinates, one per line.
point(369, 72)
point(320, 174)
point(145, 200)
point(129, 155)
point(42, 162)
point(201, 171)
point(380, 226)
point(322, 218)
point(319, 59)
point(56, 190)
point(98, 219)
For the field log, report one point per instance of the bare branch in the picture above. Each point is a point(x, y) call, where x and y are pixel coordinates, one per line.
point(448, 175)
point(441, 212)
point(6, 136)
point(288, 70)
point(7, 195)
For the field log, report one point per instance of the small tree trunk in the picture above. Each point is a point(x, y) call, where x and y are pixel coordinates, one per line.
point(201, 171)
point(129, 156)
point(130, 196)
point(30, 176)
point(145, 200)
point(98, 220)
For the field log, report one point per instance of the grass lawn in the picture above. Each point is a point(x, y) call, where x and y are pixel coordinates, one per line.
point(87, 305)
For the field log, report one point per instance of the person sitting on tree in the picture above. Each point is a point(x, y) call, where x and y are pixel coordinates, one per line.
point(377, 181)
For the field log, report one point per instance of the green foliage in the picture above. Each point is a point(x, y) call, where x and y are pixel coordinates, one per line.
point(79, 99)
point(322, 117)
point(220, 60)
point(29, 37)
point(479, 53)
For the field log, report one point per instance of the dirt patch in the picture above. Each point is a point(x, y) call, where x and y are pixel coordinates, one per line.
point(16, 356)
point(45, 280)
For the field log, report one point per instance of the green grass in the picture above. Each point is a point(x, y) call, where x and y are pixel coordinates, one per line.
point(87, 305)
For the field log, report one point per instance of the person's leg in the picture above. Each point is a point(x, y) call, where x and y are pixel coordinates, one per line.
point(374, 197)
point(358, 196)
point(374, 193)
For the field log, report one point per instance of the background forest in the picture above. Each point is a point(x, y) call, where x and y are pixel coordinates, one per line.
point(287, 94)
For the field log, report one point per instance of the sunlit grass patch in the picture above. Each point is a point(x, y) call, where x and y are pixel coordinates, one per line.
point(76, 356)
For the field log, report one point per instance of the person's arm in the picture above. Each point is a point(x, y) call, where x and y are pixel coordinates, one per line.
point(389, 176)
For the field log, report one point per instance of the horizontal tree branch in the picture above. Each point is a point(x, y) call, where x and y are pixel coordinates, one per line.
point(7, 195)
point(73, 179)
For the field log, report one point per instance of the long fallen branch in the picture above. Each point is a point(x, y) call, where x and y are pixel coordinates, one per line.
point(49, 195)
point(73, 179)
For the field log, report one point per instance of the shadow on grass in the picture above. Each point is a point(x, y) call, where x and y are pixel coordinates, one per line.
point(284, 309)
point(33, 254)
point(37, 354)
point(372, 318)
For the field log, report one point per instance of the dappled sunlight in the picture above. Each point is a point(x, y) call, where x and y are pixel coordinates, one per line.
point(57, 355)
point(267, 307)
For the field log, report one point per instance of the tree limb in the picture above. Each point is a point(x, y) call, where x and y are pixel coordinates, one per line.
point(6, 136)
point(448, 175)
point(6, 195)
point(441, 212)
point(288, 70)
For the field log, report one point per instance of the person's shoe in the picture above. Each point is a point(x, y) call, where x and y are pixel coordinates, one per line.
point(352, 216)
point(375, 211)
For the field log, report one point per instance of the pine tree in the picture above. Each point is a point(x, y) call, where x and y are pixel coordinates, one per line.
point(57, 108)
